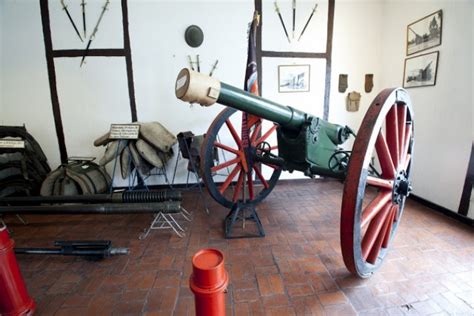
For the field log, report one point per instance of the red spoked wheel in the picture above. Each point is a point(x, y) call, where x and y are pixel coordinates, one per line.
point(228, 167)
point(378, 182)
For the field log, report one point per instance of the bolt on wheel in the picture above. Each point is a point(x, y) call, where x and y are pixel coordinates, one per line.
point(377, 182)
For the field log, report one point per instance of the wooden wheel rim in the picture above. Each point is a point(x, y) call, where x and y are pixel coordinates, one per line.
point(207, 153)
point(352, 217)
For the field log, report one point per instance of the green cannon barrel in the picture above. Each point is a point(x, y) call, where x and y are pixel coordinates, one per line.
point(195, 87)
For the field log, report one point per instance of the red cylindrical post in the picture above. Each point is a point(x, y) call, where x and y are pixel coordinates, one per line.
point(14, 298)
point(209, 282)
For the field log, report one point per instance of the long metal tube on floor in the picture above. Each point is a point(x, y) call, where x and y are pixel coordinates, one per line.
point(116, 197)
point(105, 209)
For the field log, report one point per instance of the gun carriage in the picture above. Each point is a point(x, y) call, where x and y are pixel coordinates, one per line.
point(376, 172)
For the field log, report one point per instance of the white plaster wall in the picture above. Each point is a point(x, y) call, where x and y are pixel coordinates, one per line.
point(24, 77)
point(443, 113)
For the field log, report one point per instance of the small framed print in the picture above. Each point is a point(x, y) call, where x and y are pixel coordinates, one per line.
point(421, 70)
point(424, 33)
point(293, 78)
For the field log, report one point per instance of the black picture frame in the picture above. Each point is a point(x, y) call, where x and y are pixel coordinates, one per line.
point(424, 33)
point(421, 70)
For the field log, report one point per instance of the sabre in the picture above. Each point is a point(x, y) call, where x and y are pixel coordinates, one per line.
point(307, 22)
point(277, 9)
point(294, 18)
point(213, 68)
point(190, 62)
point(96, 28)
point(197, 64)
point(71, 20)
point(83, 4)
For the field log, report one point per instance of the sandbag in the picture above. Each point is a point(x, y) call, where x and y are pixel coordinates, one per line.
point(149, 153)
point(114, 149)
point(157, 135)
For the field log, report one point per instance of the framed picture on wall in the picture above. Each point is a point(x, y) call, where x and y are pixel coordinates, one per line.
point(424, 33)
point(293, 78)
point(421, 70)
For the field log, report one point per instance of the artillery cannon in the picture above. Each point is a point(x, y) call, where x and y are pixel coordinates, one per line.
point(376, 171)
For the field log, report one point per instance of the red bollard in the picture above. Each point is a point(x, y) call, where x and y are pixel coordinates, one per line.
point(209, 282)
point(14, 298)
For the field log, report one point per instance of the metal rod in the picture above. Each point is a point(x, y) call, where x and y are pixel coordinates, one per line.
point(117, 197)
point(84, 27)
point(294, 18)
point(105, 209)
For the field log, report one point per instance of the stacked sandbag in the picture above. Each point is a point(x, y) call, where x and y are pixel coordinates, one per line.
point(22, 170)
point(153, 149)
point(75, 178)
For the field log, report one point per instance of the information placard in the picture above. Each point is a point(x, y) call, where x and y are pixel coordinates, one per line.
point(124, 131)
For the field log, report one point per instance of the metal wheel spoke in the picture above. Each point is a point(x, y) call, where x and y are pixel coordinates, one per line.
point(391, 219)
point(374, 252)
point(260, 176)
point(380, 183)
point(265, 136)
point(256, 132)
point(372, 235)
point(274, 147)
point(232, 130)
point(402, 117)
point(227, 148)
point(374, 207)
point(391, 131)
point(225, 164)
point(386, 162)
point(238, 186)
point(406, 146)
point(229, 179)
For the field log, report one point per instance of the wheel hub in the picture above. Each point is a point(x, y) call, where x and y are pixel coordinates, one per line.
point(401, 187)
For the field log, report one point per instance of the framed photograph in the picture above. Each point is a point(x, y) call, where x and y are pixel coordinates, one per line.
point(424, 33)
point(293, 78)
point(420, 71)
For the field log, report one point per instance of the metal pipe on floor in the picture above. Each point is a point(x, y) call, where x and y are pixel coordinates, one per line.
point(105, 209)
point(116, 197)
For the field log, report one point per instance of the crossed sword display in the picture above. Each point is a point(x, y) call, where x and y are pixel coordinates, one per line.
point(84, 27)
point(277, 10)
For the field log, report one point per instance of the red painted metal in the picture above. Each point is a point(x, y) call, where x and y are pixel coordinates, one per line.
point(402, 118)
point(14, 298)
point(380, 183)
point(374, 230)
point(209, 282)
point(374, 207)
point(391, 131)
point(385, 159)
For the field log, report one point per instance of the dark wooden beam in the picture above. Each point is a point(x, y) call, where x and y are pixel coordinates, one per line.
point(128, 61)
point(48, 45)
point(327, 83)
point(467, 188)
point(267, 53)
point(101, 52)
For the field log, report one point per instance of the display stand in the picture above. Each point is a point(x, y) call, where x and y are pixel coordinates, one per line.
point(184, 141)
point(241, 213)
point(127, 132)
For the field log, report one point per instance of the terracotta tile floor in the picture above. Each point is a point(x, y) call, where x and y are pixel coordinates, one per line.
point(296, 269)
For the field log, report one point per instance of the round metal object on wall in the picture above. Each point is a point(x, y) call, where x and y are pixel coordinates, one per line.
point(377, 182)
point(227, 164)
point(194, 36)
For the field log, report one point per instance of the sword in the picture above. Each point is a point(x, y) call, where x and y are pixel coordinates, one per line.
point(71, 20)
point(190, 62)
point(197, 64)
point(83, 4)
point(307, 22)
point(277, 9)
point(294, 18)
point(96, 28)
point(213, 68)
